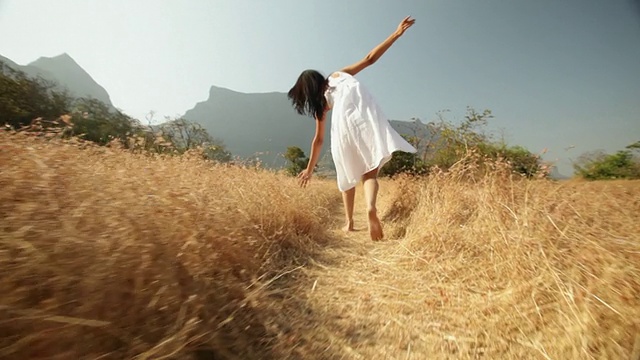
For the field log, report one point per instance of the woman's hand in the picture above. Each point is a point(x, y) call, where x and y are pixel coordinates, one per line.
point(304, 177)
point(404, 25)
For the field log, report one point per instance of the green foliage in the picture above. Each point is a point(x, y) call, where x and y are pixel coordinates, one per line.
point(634, 146)
point(403, 162)
point(522, 160)
point(24, 99)
point(456, 141)
point(450, 143)
point(94, 121)
point(26, 102)
point(297, 160)
point(601, 166)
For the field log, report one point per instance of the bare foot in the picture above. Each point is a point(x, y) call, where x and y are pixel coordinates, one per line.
point(375, 227)
point(348, 227)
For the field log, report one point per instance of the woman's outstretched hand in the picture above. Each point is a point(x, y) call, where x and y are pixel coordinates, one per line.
point(304, 177)
point(405, 24)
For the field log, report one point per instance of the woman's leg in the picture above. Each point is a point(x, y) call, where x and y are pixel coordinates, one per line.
point(348, 198)
point(370, 184)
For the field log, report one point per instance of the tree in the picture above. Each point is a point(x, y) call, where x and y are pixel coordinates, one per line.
point(24, 99)
point(297, 160)
point(29, 101)
point(93, 120)
point(599, 165)
point(522, 160)
point(634, 146)
point(445, 144)
point(456, 141)
point(184, 135)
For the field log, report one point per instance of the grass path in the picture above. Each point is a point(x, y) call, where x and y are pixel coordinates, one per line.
point(363, 303)
point(486, 286)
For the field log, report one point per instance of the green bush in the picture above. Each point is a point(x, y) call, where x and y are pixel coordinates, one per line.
point(298, 161)
point(451, 143)
point(34, 104)
point(602, 166)
point(94, 121)
point(24, 99)
point(405, 163)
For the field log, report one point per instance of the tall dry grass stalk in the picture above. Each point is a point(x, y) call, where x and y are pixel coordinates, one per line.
point(106, 254)
point(523, 269)
point(112, 255)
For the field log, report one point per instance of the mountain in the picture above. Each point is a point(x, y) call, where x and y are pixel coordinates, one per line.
point(556, 175)
point(253, 125)
point(10, 63)
point(263, 125)
point(66, 73)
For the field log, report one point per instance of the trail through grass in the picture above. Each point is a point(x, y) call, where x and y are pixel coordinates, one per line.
point(494, 268)
point(112, 255)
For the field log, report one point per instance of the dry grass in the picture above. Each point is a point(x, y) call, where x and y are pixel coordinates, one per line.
point(108, 254)
point(491, 267)
point(105, 253)
point(523, 268)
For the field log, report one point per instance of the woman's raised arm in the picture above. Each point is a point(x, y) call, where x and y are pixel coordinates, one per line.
point(377, 52)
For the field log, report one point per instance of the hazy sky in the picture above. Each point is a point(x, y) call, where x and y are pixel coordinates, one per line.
point(554, 73)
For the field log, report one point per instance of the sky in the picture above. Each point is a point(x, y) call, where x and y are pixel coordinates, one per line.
point(557, 75)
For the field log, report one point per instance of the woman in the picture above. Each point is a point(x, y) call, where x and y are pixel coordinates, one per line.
point(362, 140)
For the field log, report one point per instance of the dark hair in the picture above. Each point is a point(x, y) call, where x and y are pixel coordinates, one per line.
point(307, 95)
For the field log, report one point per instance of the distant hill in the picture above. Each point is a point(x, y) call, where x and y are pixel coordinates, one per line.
point(263, 125)
point(65, 72)
point(556, 175)
point(10, 63)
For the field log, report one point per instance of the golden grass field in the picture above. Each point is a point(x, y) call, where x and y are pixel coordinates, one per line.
point(107, 254)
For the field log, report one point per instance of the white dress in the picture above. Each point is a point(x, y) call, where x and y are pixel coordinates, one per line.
point(362, 138)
